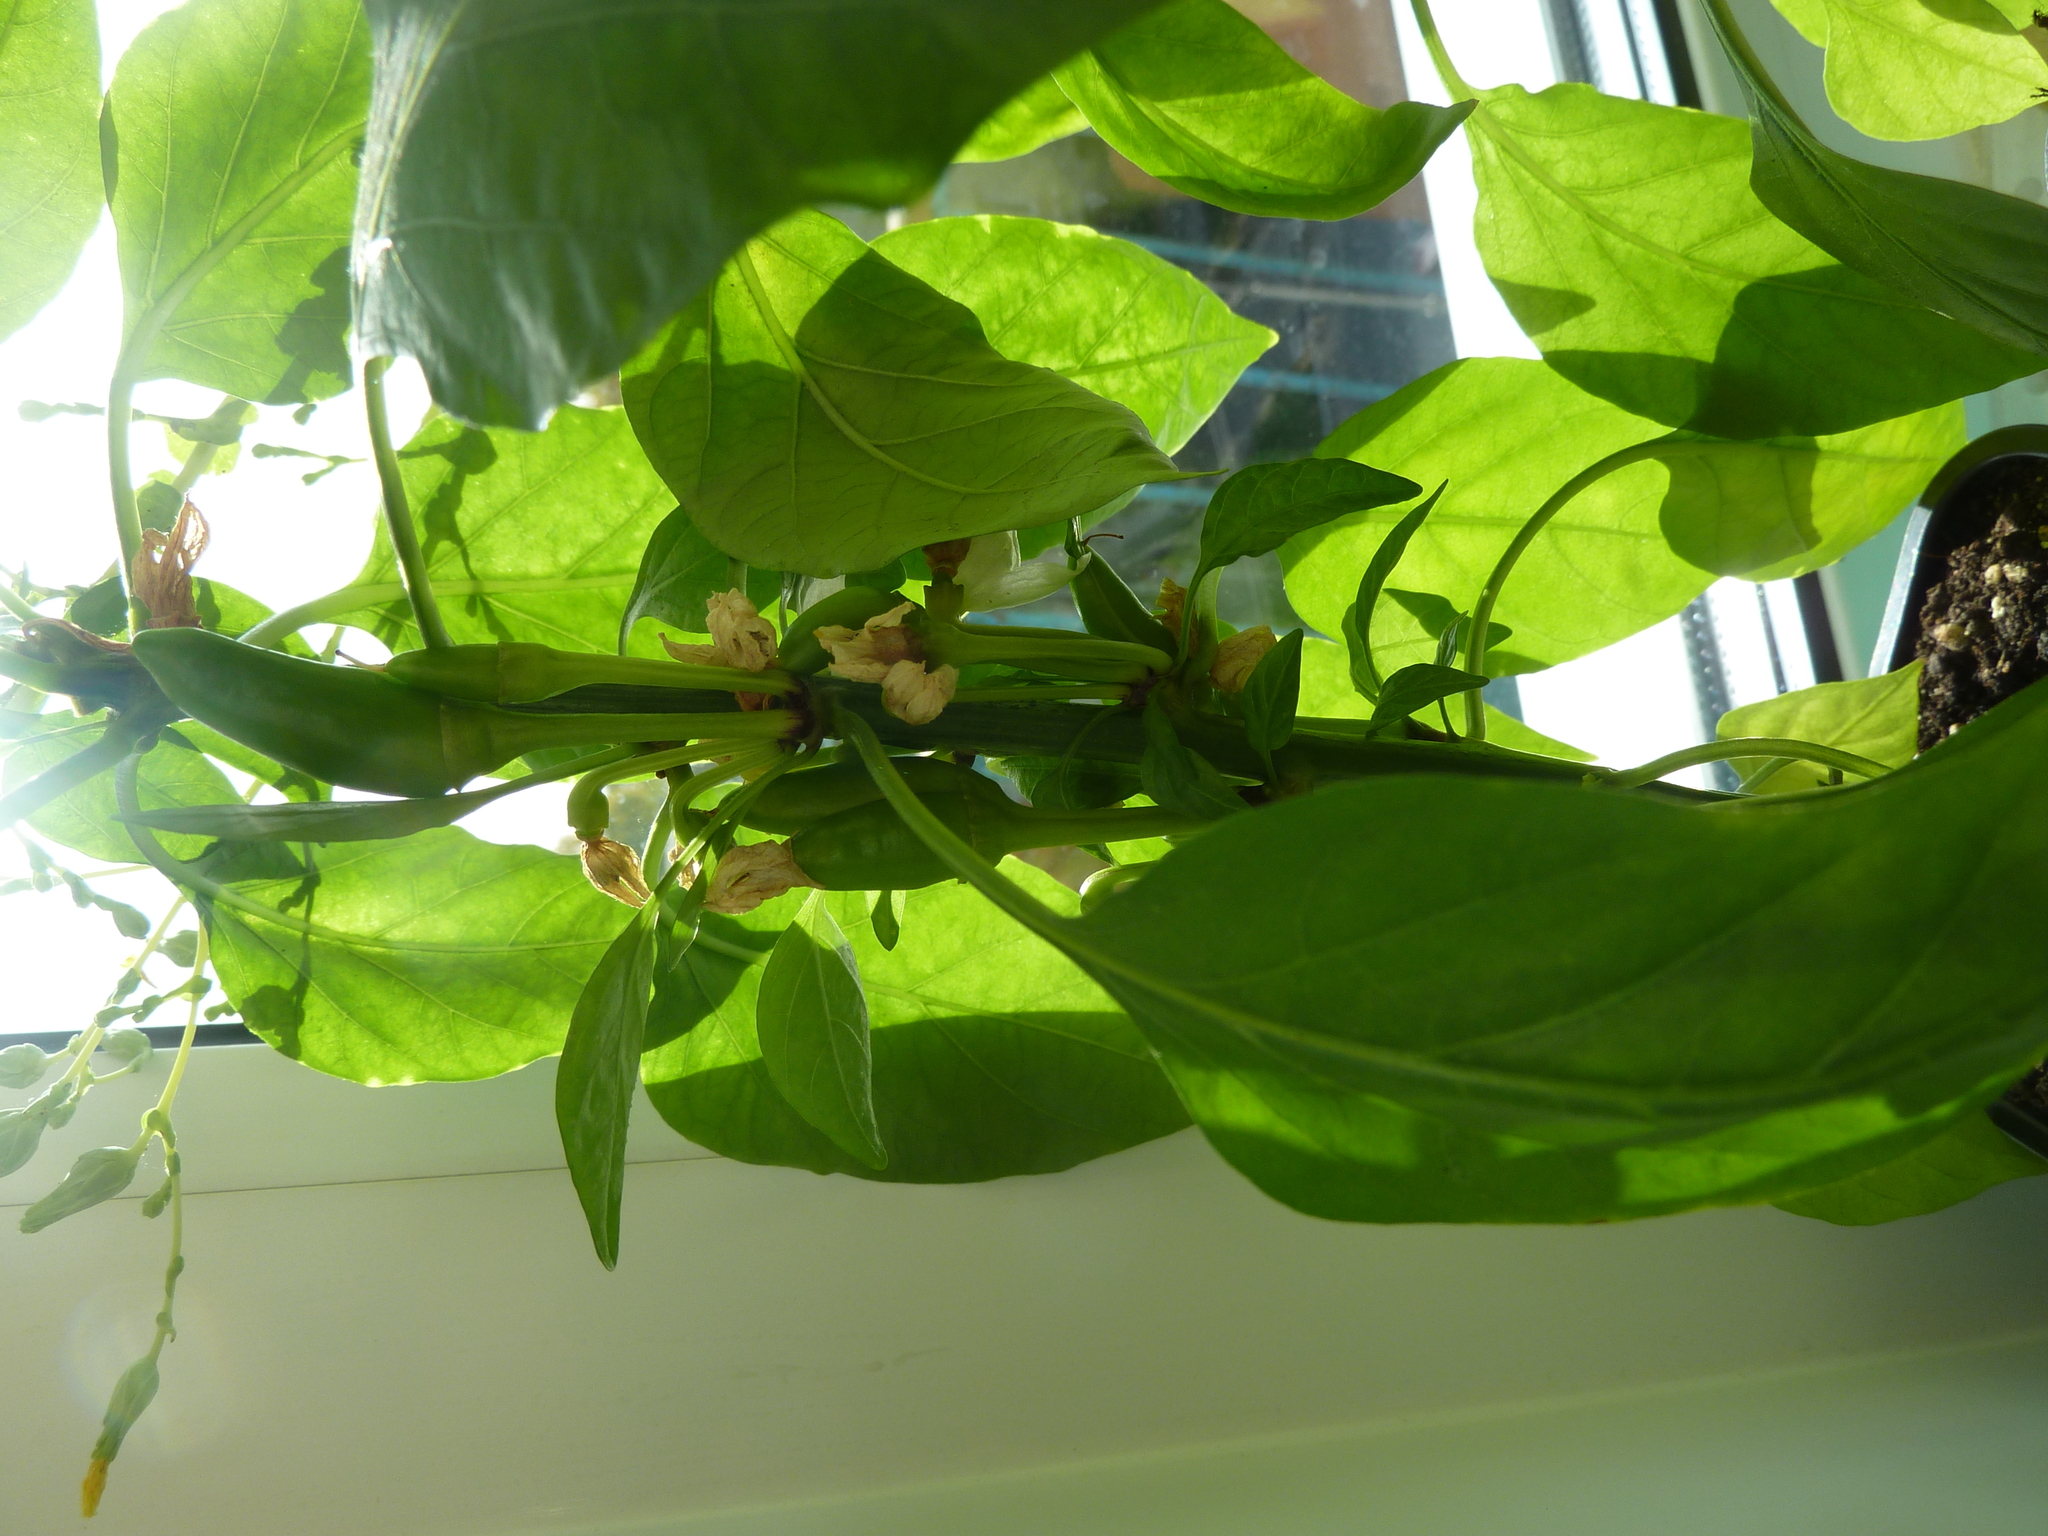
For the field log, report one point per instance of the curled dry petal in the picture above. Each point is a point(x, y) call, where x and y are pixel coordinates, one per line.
point(865, 655)
point(161, 576)
point(615, 869)
point(696, 655)
point(744, 639)
point(752, 874)
point(916, 696)
point(1173, 603)
point(1237, 656)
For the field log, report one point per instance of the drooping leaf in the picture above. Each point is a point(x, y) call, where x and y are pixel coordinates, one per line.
point(320, 821)
point(1272, 694)
point(1105, 313)
point(1604, 567)
point(518, 253)
point(1038, 114)
point(436, 958)
point(1365, 673)
point(993, 1056)
point(1176, 776)
point(1581, 969)
point(1672, 292)
point(50, 191)
point(595, 1082)
point(87, 819)
point(1262, 506)
point(1413, 689)
point(1200, 97)
point(811, 1019)
point(230, 132)
point(1967, 251)
point(1874, 717)
point(1920, 69)
point(823, 411)
point(526, 537)
point(1971, 1156)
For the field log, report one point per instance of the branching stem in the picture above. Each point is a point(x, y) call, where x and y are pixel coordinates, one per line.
point(405, 539)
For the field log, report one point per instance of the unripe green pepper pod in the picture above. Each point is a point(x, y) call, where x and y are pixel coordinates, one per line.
point(517, 672)
point(803, 798)
point(849, 607)
point(1112, 610)
point(1083, 657)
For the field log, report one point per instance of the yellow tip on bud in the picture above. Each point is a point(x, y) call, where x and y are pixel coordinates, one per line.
point(93, 1488)
point(615, 869)
point(1238, 656)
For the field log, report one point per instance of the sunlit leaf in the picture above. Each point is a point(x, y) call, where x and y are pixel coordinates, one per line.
point(1038, 114)
point(811, 1019)
point(86, 819)
point(1874, 717)
point(594, 1084)
point(1971, 1156)
point(50, 192)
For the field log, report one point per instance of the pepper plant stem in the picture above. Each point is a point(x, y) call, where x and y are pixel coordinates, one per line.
point(405, 542)
point(121, 483)
point(60, 778)
point(1744, 746)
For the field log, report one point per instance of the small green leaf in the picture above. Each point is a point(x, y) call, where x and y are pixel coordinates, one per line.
point(1180, 779)
point(1965, 1160)
point(50, 192)
point(1199, 96)
point(1413, 689)
point(181, 948)
point(101, 608)
point(1272, 694)
point(97, 1176)
point(320, 821)
point(1365, 675)
point(600, 1069)
point(886, 917)
point(1874, 717)
point(1038, 114)
point(1262, 506)
point(813, 1023)
point(822, 410)
point(680, 572)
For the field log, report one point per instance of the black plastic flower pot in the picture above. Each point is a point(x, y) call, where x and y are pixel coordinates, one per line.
point(1970, 602)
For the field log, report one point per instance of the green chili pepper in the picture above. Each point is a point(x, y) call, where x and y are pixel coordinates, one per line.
point(803, 798)
point(1068, 655)
point(1112, 610)
point(850, 607)
point(359, 728)
point(513, 672)
point(868, 848)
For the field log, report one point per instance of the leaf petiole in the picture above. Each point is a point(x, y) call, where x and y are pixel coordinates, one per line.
point(1783, 747)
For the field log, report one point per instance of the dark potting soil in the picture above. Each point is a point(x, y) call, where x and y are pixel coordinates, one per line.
point(1984, 628)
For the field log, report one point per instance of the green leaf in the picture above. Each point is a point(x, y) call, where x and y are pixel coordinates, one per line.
point(526, 537)
point(320, 821)
point(1105, 313)
point(1178, 778)
point(1365, 674)
point(50, 191)
point(823, 411)
point(1965, 1160)
point(680, 572)
point(88, 821)
point(518, 251)
point(1413, 689)
point(95, 1178)
point(229, 135)
point(885, 917)
point(1604, 568)
point(1036, 115)
point(1585, 969)
point(595, 1082)
point(1672, 292)
point(1272, 694)
point(812, 1022)
point(1967, 251)
point(1200, 97)
point(1262, 506)
point(993, 1056)
point(1874, 717)
point(439, 958)
point(1921, 69)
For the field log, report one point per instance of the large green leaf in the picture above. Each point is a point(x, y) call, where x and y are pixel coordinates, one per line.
point(230, 133)
point(1262, 506)
point(1615, 560)
point(1101, 311)
point(436, 958)
point(1627, 242)
point(594, 1084)
point(992, 1055)
point(1966, 251)
point(811, 1020)
point(1920, 69)
point(1196, 94)
point(1874, 717)
point(1968, 1158)
point(824, 411)
point(1585, 969)
point(527, 537)
point(50, 192)
point(548, 181)
point(1036, 115)
point(171, 774)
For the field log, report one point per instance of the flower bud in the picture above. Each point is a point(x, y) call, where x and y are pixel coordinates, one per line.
point(23, 1065)
point(22, 1129)
point(615, 869)
point(1238, 656)
point(97, 1176)
point(132, 1394)
point(128, 1047)
point(865, 655)
point(161, 576)
point(1173, 603)
point(917, 696)
point(754, 873)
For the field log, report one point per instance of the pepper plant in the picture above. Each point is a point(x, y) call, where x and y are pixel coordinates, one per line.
point(1398, 957)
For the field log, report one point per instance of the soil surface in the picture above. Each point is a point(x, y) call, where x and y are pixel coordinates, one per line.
point(1984, 628)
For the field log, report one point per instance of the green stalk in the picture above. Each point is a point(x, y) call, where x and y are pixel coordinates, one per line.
point(18, 605)
point(1482, 611)
point(43, 676)
point(121, 483)
point(405, 541)
point(1079, 656)
point(1722, 20)
point(60, 778)
point(1743, 746)
point(1440, 55)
